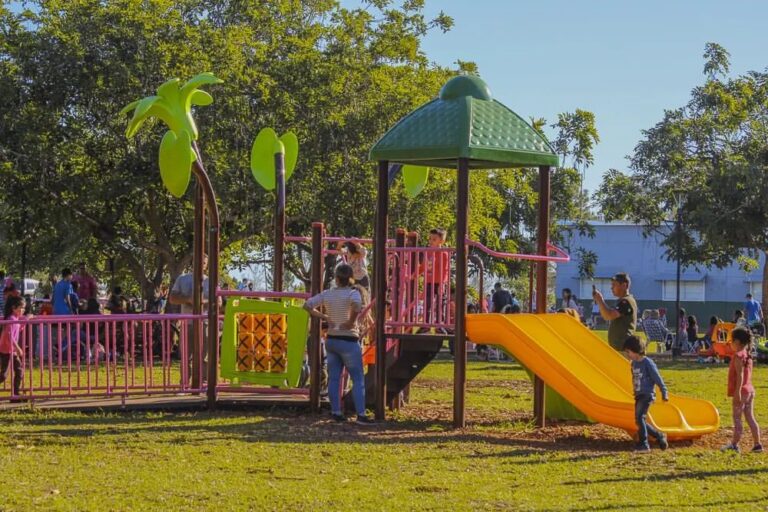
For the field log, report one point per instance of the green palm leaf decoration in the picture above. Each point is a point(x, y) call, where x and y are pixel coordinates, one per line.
point(263, 151)
point(173, 105)
point(414, 179)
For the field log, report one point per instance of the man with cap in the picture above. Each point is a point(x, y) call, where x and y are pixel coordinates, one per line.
point(623, 316)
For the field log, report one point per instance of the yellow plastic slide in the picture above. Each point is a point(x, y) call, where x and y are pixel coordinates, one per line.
point(587, 372)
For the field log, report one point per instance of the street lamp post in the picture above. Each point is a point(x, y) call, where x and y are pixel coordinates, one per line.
point(679, 254)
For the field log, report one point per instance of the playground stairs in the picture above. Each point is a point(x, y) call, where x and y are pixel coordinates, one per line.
point(405, 360)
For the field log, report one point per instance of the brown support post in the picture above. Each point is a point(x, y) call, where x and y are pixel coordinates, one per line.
point(380, 286)
point(480, 280)
point(541, 282)
point(397, 401)
point(460, 333)
point(279, 240)
point(314, 344)
point(531, 270)
point(413, 289)
point(213, 275)
point(198, 244)
point(399, 242)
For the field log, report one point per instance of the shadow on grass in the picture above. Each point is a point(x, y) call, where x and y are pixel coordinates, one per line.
point(684, 475)
point(723, 504)
point(285, 427)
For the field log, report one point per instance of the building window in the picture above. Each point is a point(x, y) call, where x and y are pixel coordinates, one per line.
point(756, 289)
point(603, 286)
point(691, 291)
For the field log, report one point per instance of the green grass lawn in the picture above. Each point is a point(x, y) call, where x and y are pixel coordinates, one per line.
point(291, 460)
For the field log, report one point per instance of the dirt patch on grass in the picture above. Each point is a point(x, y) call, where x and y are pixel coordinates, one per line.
point(518, 385)
point(432, 423)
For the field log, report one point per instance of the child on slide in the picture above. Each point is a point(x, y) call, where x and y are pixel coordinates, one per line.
point(742, 391)
point(645, 377)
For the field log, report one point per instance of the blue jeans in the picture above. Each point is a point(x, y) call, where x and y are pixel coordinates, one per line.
point(349, 355)
point(642, 404)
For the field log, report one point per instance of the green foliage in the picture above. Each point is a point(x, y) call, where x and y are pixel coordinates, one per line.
point(717, 61)
point(576, 137)
point(338, 77)
point(587, 261)
point(715, 150)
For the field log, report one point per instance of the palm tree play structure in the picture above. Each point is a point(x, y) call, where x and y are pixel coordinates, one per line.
point(463, 129)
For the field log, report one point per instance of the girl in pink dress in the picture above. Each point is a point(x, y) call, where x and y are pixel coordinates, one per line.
point(10, 350)
point(741, 390)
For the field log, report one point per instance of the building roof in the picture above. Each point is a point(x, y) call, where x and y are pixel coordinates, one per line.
point(464, 122)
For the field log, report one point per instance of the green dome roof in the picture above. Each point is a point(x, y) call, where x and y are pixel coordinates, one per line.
point(464, 122)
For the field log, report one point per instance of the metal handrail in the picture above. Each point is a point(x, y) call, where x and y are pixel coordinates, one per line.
point(562, 256)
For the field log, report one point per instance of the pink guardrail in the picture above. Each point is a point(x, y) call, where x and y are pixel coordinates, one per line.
point(562, 256)
point(420, 288)
point(105, 355)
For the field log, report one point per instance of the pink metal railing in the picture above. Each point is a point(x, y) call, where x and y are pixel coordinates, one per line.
point(562, 256)
point(422, 285)
point(145, 354)
point(104, 355)
point(425, 299)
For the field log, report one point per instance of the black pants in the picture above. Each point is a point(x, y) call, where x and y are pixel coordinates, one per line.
point(433, 297)
point(18, 371)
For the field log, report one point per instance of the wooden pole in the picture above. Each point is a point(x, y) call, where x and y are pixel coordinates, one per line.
point(279, 240)
point(541, 283)
point(314, 344)
point(460, 333)
point(480, 281)
point(397, 401)
point(531, 271)
point(380, 286)
point(413, 288)
point(198, 243)
point(212, 210)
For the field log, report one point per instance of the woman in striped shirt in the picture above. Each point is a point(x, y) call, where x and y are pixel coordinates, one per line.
point(341, 306)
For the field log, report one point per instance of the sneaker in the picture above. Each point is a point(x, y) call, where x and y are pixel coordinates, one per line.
point(339, 418)
point(663, 442)
point(642, 448)
point(730, 447)
point(365, 421)
point(758, 448)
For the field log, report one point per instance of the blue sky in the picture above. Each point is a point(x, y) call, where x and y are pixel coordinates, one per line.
point(626, 62)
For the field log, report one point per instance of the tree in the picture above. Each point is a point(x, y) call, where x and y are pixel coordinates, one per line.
point(337, 77)
point(715, 149)
point(576, 137)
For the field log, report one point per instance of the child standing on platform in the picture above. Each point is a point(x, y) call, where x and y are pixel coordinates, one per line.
point(436, 273)
point(741, 390)
point(10, 350)
point(645, 378)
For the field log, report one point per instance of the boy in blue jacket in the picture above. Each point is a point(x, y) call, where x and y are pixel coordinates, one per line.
point(645, 377)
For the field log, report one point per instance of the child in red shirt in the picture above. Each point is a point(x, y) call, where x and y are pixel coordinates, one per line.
point(436, 271)
point(741, 389)
point(10, 350)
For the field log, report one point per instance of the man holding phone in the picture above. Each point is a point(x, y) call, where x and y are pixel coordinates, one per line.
point(623, 316)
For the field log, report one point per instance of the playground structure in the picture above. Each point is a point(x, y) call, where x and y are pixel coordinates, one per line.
point(463, 128)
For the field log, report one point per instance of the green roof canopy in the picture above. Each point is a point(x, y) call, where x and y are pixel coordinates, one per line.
point(464, 122)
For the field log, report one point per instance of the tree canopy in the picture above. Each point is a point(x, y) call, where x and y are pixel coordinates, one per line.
point(75, 188)
point(712, 152)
